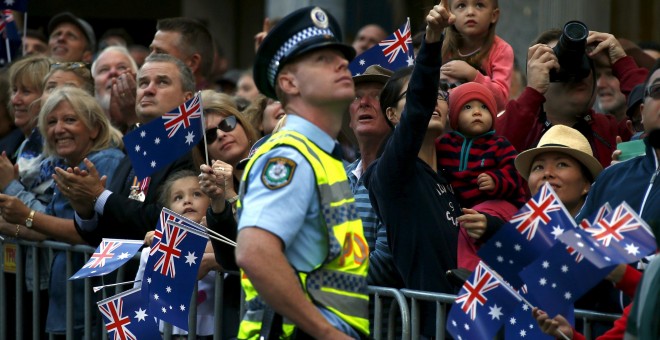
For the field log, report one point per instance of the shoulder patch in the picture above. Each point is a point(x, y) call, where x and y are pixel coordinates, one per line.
point(278, 172)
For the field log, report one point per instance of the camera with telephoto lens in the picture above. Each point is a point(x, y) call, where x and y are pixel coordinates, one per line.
point(570, 51)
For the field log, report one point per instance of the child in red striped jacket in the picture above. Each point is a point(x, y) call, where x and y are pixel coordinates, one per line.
point(479, 166)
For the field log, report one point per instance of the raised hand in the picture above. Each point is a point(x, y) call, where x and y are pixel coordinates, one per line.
point(438, 18)
point(540, 60)
point(607, 43)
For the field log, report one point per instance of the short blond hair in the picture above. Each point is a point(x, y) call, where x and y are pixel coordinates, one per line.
point(90, 113)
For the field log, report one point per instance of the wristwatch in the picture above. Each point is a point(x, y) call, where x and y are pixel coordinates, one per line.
point(30, 218)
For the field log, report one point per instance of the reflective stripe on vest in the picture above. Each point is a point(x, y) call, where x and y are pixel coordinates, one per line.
point(339, 283)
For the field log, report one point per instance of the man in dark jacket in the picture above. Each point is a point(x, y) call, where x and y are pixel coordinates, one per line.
point(128, 208)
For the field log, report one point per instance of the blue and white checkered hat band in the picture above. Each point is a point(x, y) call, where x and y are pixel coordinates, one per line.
point(284, 50)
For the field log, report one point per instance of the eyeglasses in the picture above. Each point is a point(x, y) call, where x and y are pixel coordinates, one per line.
point(652, 91)
point(70, 65)
point(401, 96)
point(227, 125)
point(443, 95)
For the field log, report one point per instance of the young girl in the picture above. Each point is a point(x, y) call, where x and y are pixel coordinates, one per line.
point(182, 194)
point(474, 52)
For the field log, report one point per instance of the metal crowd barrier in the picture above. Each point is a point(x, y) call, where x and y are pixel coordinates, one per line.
point(409, 318)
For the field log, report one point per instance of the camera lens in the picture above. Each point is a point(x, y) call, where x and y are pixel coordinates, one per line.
point(575, 31)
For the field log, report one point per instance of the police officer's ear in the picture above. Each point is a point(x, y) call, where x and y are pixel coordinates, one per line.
point(288, 83)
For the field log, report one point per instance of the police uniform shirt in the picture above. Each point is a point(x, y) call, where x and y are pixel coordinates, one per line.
point(291, 212)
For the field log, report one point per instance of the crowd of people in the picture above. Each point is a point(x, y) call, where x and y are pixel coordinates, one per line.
point(327, 181)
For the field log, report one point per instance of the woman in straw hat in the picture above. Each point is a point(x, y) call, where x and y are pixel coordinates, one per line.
point(564, 159)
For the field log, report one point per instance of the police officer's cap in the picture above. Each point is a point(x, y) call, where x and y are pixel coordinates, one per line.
point(302, 31)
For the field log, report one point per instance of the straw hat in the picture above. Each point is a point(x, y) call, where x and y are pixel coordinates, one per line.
point(560, 138)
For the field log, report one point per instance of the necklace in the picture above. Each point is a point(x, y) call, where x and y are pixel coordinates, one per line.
point(468, 54)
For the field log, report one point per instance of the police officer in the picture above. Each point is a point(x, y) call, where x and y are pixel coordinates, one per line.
point(300, 242)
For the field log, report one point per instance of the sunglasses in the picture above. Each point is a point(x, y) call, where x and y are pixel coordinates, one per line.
point(653, 91)
point(226, 125)
point(70, 66)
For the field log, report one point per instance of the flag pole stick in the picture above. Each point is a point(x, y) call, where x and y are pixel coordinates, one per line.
point(97, 288)
point(206, 151)
point(24, 32)
point(8, 51)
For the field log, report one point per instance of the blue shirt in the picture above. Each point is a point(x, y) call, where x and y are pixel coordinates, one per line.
point(105, 161)
point(292, 212)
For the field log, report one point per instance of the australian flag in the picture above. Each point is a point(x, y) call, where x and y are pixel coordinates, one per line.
point(481, 306)
point(11, 38)
point(162, 141)
point(16, 5)
point(393, 53)
point(620, 237)
point(530, 232)
point(108, 256)
point(520, 324)
point(558, 277)
point(171, 270)
point(126, 316)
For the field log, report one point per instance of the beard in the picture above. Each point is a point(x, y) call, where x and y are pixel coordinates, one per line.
point(104, 101)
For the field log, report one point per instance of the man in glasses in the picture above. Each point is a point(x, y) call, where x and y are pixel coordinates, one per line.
point(71, 38)
point(128, 208)
point(297, 226)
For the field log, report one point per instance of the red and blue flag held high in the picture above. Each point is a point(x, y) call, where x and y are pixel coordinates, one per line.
point(171, 270)
point(11, 44)
point(126, 317)
point(108, 256)
point(531, 231)
point(393, 53)
point(156, 144)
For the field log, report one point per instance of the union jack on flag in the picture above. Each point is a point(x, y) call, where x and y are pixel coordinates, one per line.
point(475, 291)
point(105, 252)
point(155, 145)
point(108, 256)
point(118, 311)
point(536, 211)
point(620, 237)
point(482, 305)
point(613, 226)
point(398, 44)
point(181, 116)
point(393, 53)
point(168, 246)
